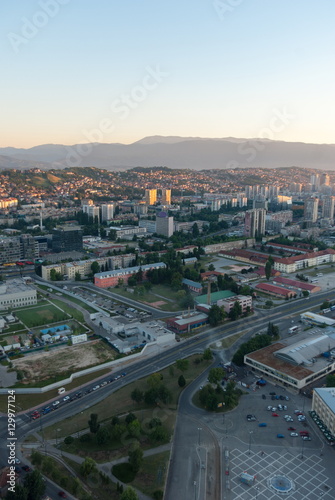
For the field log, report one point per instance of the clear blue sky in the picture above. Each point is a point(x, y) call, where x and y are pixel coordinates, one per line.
point(221, 68)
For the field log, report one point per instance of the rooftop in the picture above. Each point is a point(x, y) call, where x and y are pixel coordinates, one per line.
point(223, 294)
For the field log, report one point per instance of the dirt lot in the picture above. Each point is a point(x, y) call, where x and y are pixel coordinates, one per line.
point(44, 365)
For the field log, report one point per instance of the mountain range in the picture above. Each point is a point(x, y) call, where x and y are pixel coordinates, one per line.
point(174, 152)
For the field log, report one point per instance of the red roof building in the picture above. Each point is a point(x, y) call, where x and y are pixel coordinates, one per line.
point(276, 291)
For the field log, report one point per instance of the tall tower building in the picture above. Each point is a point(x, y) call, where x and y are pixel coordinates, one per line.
point(311, 209)
point(164, 224)
point(150, 196)
point(315, 181)
point(328, 207)
point(166, 196)
point(325, 180)
point(107, 212)
point(254, 222)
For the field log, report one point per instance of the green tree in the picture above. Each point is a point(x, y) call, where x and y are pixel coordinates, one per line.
point(103, 435)
point(34, 484)
point(207, 354)
point(137, 395)
point(215, 375)
point(330, 380)
point(268, 269)
point(235, 311)
point(88, 466)
point(216, 315)
point(36, 457)
point(325, 305)
point(20, 493)
point(195, 230)
point(93, 423)
point(129, 494)
point(181, 381)
point(130, 418)
point(77, 276)
point(134, 429)
point(135, 457)
point(95, 268)
point(154, 380)
point(211, 267)
point(182, 364)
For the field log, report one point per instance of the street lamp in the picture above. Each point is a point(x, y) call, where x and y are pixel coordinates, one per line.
point(57, 431)
point(250, 432)
point(195, 490)
point(199, 429)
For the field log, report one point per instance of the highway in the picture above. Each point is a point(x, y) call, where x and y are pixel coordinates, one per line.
point(143, 368)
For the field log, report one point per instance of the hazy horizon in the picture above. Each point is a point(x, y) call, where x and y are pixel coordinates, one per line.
point(115, 72)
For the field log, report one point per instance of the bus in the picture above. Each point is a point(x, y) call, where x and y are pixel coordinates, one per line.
point(293, 329)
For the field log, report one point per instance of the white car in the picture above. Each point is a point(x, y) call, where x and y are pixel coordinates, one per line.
point(17, 461)
point(96, 387)
point(294, 434)
point(66, 398)
point(55, 403)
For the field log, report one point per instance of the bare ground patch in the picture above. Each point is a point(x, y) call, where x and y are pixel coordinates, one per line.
point(44, 365)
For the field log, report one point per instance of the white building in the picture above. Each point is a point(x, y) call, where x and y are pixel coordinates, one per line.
point(107, 212)
point(15, 293)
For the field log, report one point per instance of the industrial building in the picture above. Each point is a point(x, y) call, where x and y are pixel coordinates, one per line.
point(112, 278)
point(188, 322)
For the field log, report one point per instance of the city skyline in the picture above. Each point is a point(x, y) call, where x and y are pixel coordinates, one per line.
point(78, 72)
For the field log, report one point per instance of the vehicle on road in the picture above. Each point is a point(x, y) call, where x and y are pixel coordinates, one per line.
point(263, 424)
point(294, 434)
point(306, 438)
point(280, 436)
point(96, 387)
point(251, 418)
point(55, 403)
point(66, 399)
point(291, 428)
point(304, 433)
point(62, 494)
point(275, 415)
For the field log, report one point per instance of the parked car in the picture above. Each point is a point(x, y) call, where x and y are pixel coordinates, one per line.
point(55, 403)
point(96, 387)
point(263, 424)
point(66, 399)
point(275, 415)
point(291, 428)
point(294, 434)
point(280, 436)
point(306, 438)
point(263, 396)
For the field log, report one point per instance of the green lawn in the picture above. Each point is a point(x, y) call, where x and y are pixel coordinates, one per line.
point(164, 294)
point(40, 315)
point(152, 474)
point(78, 315)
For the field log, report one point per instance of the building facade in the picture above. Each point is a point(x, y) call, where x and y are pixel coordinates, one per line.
point(113, 278)
point(254, 222)
point(15, 293)
point(67, 239)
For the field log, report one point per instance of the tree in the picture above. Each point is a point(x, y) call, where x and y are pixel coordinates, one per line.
point(207, 354)
point(195, 230)
point(95, 268)
point(325, 305)
point(268, 269)
point(154, 380)
point(88, 466)
point(181, 381)
point(137, 395)
point(130, 418)
point(93, 423)
point(216, 315)
point(236, 311)
point(20, 493)
point(182, 364)
point(215, 375)
point(211, 267)
point(77, 276)
point(129, 494)
point(134, 429)
point(272, 330)
point(103, 435)
point(330, 380)
point(135, 457)
point(35, 485)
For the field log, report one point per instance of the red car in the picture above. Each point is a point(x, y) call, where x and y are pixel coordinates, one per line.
point(291, 428)
point(62, 494)
point(304, 433)
point(34, 416)
point(275, 415)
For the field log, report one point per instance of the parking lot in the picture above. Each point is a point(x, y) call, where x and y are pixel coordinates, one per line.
point(256, 449)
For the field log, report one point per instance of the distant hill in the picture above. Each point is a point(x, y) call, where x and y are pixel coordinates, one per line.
point(175, 152)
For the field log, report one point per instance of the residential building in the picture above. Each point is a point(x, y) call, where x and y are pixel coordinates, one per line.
point(328, 207)
point(193, 286)
point(67, 238)
point(311, 210)
point(128, 232)
point(323, 403)
point(107, 212)
point(112, 278)
point(245, 302)
point(254, 222)
point(15, 293)
point(150, 225)
point(166, 197)
point(151, 196)
point(92, 211)
point(164, 224)
point(18, 248)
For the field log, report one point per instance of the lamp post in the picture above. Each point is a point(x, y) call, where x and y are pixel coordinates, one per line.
point(195, 490)
point(57, 431)
point(250, 432)
point(199, 429)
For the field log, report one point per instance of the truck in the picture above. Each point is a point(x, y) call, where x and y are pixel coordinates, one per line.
point(246, 478)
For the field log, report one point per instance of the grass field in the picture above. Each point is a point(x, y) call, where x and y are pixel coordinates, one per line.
point(158, 293)
point(78, 315)
point(40, 315)
point(152, 474)
point(120, 402)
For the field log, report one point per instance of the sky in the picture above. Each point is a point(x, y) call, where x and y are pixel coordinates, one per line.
point(77, 71)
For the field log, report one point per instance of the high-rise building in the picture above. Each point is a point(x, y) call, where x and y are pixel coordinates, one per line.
point(315, 181)
point(328, 207)
point(92, 211)
point(311, 209)
point(150, 196)
point(166, 196)
point(67, 239)
point(164, 224)
point(254, 222)
point(325, 179)
point(107, 212)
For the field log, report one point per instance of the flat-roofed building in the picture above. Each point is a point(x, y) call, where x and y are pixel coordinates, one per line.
point(15, 293)
point(296, 362)
point(112, 278)
point(323, 405)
